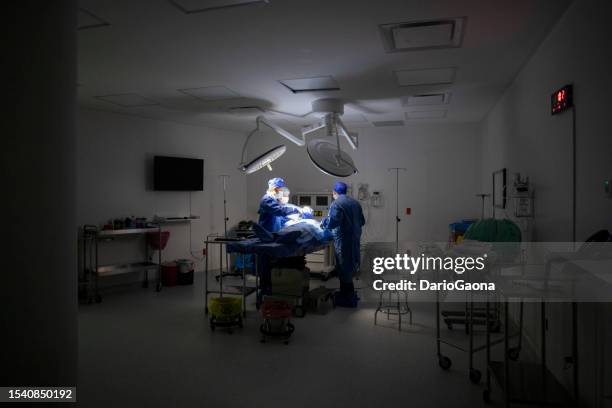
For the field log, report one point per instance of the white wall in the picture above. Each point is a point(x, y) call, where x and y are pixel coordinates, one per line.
point(113, 166)
point(520, 134)
point(439, 184)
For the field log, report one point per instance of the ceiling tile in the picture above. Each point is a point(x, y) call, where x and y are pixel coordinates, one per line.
point(211, 93)
point(430, 76)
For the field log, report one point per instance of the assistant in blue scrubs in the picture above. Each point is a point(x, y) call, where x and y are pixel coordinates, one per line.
point(345, 221)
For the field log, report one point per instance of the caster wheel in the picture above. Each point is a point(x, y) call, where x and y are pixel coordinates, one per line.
point(98, 299)
point(206, 310)
point(299, 311)
point(475, 376)
point(230, 331)
point(514, 353)
point(286, 342)
point(486, 396)
point(240, 325)
point(325, 278)
point(212, 327)
point(262, 340)
point(444, 362)
point(89, 301)
point(158, 287)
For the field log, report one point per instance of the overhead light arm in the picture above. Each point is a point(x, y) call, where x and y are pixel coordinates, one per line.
point(351, 138)
point(311, 128)
point(280, 131)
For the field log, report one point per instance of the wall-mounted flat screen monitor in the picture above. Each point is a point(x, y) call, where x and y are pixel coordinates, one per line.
point(178, 174)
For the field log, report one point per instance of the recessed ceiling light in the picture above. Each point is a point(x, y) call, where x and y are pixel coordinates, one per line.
point(434, 114)
point(386, 123)
point(430, 76)
point(128, 100)
point(87, 19)
point(420, 35)
point(199, 6)
point(314, 84)
point(426, 99)
point(211, 93)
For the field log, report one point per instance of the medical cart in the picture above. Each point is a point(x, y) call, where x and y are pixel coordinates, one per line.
point(243, 291)
point(526, 382)
point(93, 271)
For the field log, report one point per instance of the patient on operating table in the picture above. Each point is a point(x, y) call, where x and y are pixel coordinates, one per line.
point(297, 228)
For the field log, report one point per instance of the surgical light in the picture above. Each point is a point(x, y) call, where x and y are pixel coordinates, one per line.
point(265, 159)
point(328, 158)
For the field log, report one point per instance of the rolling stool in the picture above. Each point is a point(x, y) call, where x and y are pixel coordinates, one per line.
point(396, 304)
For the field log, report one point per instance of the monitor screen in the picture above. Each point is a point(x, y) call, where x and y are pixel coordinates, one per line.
point(178, 174)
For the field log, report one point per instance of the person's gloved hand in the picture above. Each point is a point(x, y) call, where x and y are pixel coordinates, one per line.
point(307, 212)
point(324, 222)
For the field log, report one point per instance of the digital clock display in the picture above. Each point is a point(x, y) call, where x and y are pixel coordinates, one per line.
point(561, 100)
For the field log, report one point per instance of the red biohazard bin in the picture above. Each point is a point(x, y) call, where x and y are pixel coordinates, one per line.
point(169, 273)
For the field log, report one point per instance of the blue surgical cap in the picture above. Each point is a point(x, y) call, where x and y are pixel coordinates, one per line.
point(340, 187)
point(276, 182)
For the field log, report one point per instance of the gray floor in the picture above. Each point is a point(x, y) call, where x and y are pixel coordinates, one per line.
point(139, 348)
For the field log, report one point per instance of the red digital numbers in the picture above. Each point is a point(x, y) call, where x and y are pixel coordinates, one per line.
point(561, 99)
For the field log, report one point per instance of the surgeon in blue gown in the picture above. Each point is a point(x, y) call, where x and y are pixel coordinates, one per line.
point(345, 221)
point(273, 213)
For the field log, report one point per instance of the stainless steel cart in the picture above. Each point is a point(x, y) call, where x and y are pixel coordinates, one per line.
point(93, 271)
point(244, 291)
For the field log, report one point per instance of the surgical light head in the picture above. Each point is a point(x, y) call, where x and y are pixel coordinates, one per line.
point(264, 160)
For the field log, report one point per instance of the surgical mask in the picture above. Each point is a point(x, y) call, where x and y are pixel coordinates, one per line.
point(284, 199)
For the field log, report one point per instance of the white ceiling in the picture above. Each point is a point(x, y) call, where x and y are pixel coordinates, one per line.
point(191, 68)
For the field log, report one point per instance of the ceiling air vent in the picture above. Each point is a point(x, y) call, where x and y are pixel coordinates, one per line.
point(423, 35)
point(315, 84)
point(426, 99)
point(387, 123)
point(201, 6)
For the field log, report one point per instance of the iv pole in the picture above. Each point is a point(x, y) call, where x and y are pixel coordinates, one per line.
point(224, 178)
point(397, 218)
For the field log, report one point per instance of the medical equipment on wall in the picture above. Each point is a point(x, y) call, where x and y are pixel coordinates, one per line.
point(318, 201)
point(523, 197)
point(377, 200)
point(482, 202)
point(397, 218)
point(362, 192)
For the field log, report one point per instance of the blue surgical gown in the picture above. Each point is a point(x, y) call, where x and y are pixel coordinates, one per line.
point(272, 214)
point(345, 220)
